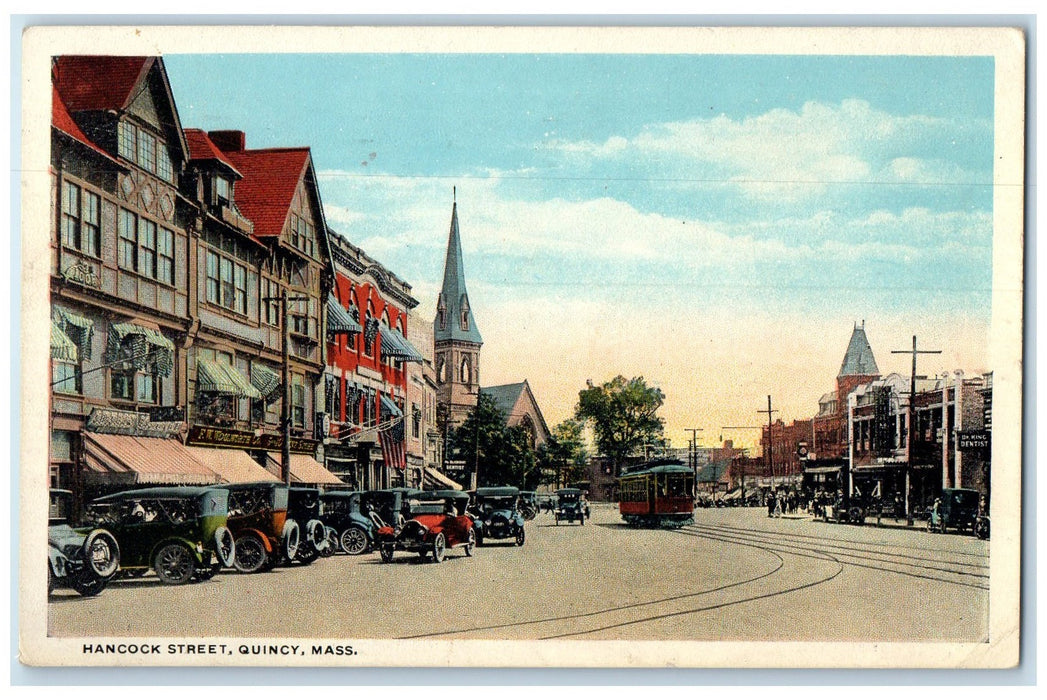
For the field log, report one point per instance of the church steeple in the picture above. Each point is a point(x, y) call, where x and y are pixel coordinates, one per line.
point(858, 361)
point(454, 316)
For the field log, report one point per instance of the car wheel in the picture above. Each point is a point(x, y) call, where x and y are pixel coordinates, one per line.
point(101, 554)
point(289, 540)
point(520, 537)
point(387, 550)
point(225, 547)
point(250, 554)
point(307, 554)
point(471, 543)
point(353, 540)
point(87, 585)
point(174, 564)
point(439, 547)
point(330, 544)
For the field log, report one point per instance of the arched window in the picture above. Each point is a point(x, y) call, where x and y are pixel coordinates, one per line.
point(465, 372)
point(441, 312)
point(441, 370)
point(465, 313)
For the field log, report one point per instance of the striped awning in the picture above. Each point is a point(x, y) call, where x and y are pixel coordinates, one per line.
point(231, 466)
point(145, 347)
point(390, 407)
point(265, 380)
point(132, 460)
point(77, 328)
point(395, 345)
point(304, 469)
point(220, 378)
point(62, 347)
point(339, 320)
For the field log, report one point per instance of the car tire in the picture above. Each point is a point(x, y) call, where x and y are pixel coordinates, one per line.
point(101, 554)
point(471, 544)
point(331, 545)
point(439, 547)
point(307, 554)
point(353, 540)
point(387, 550)
point(225, 546)
point(250, 554)
point(174, 564)
point(290, 540)
point(520, 537)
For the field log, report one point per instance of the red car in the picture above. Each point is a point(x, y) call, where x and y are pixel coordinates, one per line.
point(437, 522)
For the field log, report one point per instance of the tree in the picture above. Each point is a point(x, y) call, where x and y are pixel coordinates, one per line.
point(622, 413)
point(563, 458)
point(502, 455)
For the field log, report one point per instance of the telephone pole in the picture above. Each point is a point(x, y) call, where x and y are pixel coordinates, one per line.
point(285, 367)
point(770, 439)
point(909, 430)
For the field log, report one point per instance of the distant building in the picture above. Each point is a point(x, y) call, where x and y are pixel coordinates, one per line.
point(521, 409)
point(829, 426)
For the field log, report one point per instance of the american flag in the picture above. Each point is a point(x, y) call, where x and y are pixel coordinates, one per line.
point(394, 447)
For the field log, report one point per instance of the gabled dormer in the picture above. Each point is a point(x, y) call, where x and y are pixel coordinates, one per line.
point(217, 180)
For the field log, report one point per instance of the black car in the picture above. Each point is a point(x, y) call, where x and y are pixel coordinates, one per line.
point(347, 516)
point(496, 514)
point(303, 507)
point(84, 559)
point(571, 506)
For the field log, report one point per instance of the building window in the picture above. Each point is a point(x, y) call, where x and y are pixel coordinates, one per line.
point(226, 283)
point(240, 289)
point(121, 383)
point(298, 401)
point(164, 167)
point(65, 378)
point(165, 253)
point(71, 215)
point(222, 194)
point(147, 388)
point(147, 248)
point(212, 278)
point(147, 151)
point(128, 228)
point(127, 141)
point(80, 219)
point(90, 233)
point(270, 302)
point(466, 373)
point(140, 146)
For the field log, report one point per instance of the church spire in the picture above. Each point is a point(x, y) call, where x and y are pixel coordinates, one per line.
point(859, 360)
point(454, 315)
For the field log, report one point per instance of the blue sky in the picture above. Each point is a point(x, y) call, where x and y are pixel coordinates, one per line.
point(715, 223)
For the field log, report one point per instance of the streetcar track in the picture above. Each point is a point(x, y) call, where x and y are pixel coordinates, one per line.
point(740, 539)
point(695, 611)
point(859, 549)
point(605, 611)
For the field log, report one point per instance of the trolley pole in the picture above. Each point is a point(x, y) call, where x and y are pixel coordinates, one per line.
point(909, 431)
point(693, 455)
point(770, 439)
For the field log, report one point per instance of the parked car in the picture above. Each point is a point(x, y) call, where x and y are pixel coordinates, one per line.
point(435, 524)
point(844, 510)
point(957, 509)
point(349, 520)
point(528, 504)
point(179, 531)
point(571, 506)
point(496, 515)
point(85, 559)
point(303, 507)
point(258, 520)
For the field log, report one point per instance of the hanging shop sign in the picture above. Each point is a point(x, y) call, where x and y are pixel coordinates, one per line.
point(244, 440)
point(975, 441)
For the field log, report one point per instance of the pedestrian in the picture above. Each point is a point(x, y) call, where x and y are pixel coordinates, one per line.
point(770, 505)
point(778, 505)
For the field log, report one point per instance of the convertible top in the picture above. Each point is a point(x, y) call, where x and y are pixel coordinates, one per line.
point(160, 492)
point(495, 491)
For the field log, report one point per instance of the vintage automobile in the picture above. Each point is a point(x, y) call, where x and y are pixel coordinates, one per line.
point(844, 510)
point(571, 506)
point(178, 531)
point(528, 504)
point(303, 507)
point(957, 509)
point(258, 520)
point(495, 514)
point(435, 522)
point(84, 559)
point(349, 520)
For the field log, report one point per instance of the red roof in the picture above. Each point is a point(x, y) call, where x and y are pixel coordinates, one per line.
point(270, 178)
point(98, 82)
point(202, 148)
point(63, 121)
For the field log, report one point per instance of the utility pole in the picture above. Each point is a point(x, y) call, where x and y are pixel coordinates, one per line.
point(285, 361)
point(694, 447)
point(770, 439)
point(910, 432)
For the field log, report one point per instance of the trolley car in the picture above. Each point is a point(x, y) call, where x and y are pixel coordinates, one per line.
point(661, 494)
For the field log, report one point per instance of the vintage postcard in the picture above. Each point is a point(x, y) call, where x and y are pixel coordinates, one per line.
point(521, 347)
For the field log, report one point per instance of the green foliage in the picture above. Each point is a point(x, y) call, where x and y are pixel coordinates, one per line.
point(622, 413)
point(562, 460)
point(503, 454)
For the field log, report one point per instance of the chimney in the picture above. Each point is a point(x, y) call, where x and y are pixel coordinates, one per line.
point(229, 140)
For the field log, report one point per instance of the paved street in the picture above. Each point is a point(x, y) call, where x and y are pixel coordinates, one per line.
point(733, 575)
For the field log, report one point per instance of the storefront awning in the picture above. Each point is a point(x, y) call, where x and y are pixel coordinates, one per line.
point(304, 469)
point(79, 329)
point(220, 378)
point(435, 478)
point(821, 470)
point(130, 460)
point(144, 347)
point(62, 346)
point(231, 466)
point(265, 380)
point(395, 345)
point(389, 406)
point(339, 320)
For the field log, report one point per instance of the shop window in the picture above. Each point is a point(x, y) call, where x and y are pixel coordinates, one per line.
point(298, 401)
